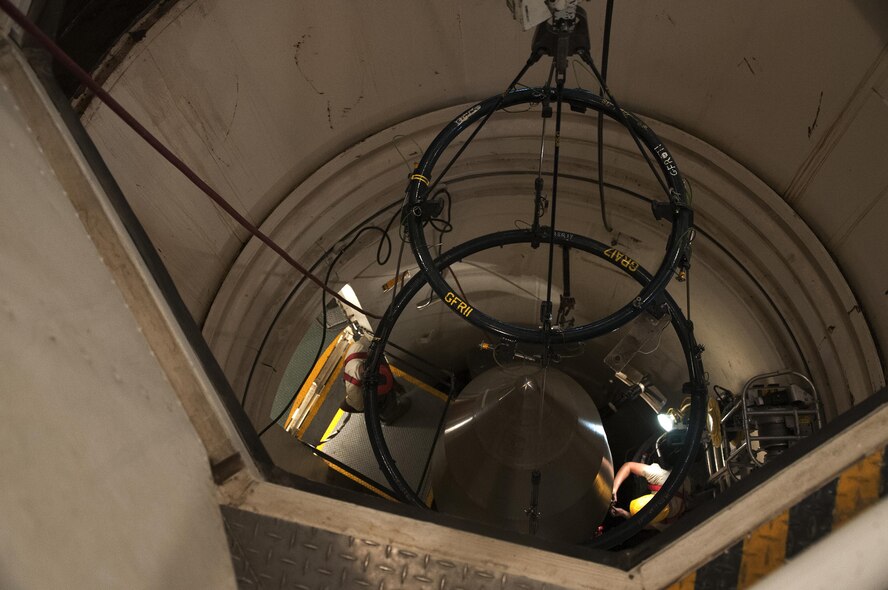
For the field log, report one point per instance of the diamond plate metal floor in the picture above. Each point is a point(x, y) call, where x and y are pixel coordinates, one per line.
point(272, 553)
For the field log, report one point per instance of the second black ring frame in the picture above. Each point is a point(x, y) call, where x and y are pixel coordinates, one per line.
point(695, 387)
point(679, 213)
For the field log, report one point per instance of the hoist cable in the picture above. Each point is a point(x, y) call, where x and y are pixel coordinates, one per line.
point(621, 117)
point(605, 50)
point(534, 57)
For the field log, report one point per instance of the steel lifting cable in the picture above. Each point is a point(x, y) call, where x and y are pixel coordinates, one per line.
point(534, 57)
point(539, 202)
point(546, 311)
point(621, 117)
point(605, 50)
point(65, 60)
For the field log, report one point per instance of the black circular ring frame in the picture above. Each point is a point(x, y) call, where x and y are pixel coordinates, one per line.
point(696, 386)
point(676, 245)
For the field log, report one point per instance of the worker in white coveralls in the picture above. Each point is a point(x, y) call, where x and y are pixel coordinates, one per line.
point(668, 450)
point(392, 403)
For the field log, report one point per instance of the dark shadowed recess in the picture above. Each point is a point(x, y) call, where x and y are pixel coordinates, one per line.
point(87, 29)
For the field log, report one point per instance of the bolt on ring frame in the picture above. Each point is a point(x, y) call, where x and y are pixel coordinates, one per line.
point(695, 387)
point(678, 211)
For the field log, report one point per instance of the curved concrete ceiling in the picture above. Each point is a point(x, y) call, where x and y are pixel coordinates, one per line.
point(765, 293)
point(304, 114)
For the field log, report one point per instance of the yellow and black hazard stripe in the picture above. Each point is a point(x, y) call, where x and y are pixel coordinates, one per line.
point(771, 544)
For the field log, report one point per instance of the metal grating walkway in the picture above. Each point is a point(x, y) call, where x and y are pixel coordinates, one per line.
point(410, 439)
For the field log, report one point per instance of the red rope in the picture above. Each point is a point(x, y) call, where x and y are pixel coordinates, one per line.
point(65, 60)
